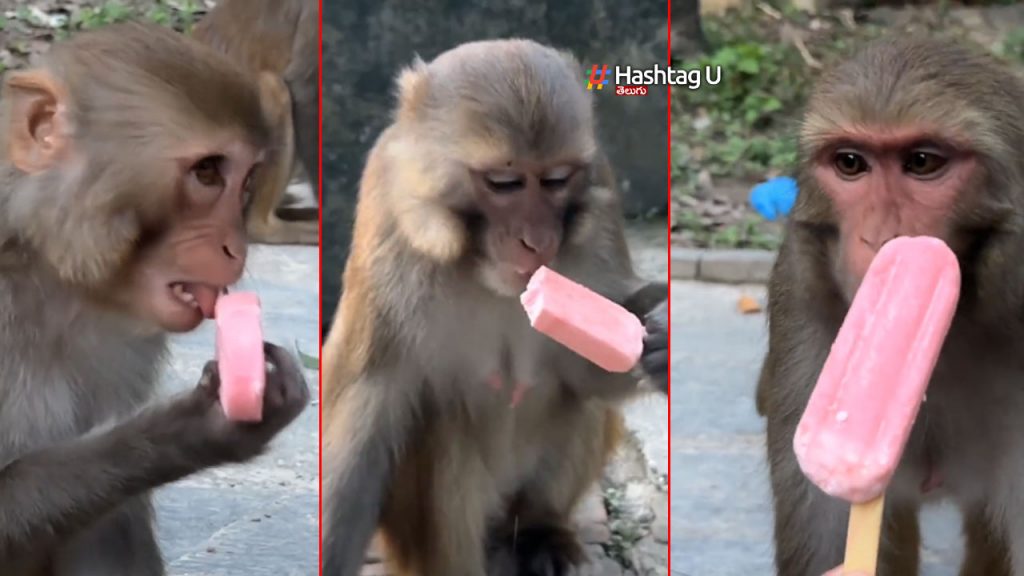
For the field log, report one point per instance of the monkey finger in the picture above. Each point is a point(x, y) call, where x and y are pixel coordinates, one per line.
point(655, 366)
point(209, 381)
point(658, 316)
point(280, 361)
point(287, 394)
point(656, 339)
point(646, 299)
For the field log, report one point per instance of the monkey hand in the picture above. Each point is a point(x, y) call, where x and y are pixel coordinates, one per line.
point(654, 360)
point(650, 304)
point(285, 396)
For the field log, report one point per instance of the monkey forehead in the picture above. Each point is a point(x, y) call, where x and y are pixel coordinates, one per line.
point(919, 83)
point(138, 78)
point(514, 94)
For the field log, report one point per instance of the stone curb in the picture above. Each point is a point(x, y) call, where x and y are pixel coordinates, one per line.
point(724, 266)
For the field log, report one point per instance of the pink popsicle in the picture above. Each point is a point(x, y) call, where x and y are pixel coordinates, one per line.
point(240, 356)
point(583, 321)
point(856, 424)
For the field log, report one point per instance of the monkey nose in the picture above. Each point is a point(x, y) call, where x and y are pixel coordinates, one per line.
point(540, 245)
point(876, 244)
point(233, 252)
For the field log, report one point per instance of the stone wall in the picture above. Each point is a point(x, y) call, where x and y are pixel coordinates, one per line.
point(367, 41)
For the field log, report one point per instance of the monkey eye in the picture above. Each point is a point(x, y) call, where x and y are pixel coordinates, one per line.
point(208, 171)
point(849, 164)
point(924, 164)
point(556, 178)
point(504, 182)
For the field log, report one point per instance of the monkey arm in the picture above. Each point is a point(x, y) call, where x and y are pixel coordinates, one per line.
point(54, 491)
point(654, 361)
point(650, 304)
point(366, 427)
point(645, 299)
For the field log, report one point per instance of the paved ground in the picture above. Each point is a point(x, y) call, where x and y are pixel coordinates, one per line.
point(721, 517)
point(259, 519)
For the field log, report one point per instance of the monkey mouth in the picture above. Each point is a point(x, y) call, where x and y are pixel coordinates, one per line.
point(524, 274)
point(196, 295)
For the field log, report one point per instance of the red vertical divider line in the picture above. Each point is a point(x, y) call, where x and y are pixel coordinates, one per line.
point(320, 295)
point(668, 255)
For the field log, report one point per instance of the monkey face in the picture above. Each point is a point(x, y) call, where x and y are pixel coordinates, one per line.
point(178, 274)
point(523, 206)
point(495, 141)
point(882, 188)
point(133, 179)
point(907, 149)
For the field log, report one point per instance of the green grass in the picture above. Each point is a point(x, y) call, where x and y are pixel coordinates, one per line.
point(181, 16)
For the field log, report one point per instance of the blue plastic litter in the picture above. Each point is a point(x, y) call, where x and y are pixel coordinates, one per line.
point(774, 198)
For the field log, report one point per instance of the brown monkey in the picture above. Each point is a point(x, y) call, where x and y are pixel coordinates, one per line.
point(126, 161)
point(909, 137)
point(449, 423)
point(278, 39)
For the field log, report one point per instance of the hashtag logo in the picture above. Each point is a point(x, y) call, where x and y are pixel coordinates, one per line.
point(598, 79)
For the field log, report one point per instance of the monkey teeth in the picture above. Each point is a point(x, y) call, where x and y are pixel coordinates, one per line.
point(181, 294)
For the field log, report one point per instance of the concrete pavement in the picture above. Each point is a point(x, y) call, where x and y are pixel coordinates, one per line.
point(720, 499)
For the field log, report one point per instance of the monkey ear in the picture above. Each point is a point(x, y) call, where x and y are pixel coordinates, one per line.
point(412, 86)
point(36, 128)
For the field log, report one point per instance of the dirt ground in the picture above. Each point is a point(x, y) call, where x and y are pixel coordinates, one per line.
point(27, 28)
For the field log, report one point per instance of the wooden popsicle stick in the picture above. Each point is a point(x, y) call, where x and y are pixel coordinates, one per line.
point(863, 535)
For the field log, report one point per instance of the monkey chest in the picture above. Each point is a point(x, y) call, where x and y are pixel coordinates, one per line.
point(59, 385)
point(968, 434)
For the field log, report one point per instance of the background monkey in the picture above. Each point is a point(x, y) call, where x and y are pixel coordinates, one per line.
point(126, 164)
point(490, 170)
point(280, 40)
point(909, 137)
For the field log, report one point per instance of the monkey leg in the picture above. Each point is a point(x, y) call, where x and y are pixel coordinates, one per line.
point(537, 536)
point(122, 543)
point(434, 521)
point(987, 553)
point(262, 221)
point(306, 116)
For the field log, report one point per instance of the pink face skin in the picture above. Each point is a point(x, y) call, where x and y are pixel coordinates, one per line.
point(523, 207)
point(902, 183)
point(179, 277)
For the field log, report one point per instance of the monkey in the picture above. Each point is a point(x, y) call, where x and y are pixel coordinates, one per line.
point(452, 428)
point(127, 160)
point(910, 136)
point(278, 39)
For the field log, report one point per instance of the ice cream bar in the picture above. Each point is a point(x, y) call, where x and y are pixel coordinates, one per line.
point(240, 356)
point(855, 427)
point(853, 431)
point(583, 321)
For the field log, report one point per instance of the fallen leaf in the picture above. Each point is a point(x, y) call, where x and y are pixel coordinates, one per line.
point(309, 362)
point(748, 305)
